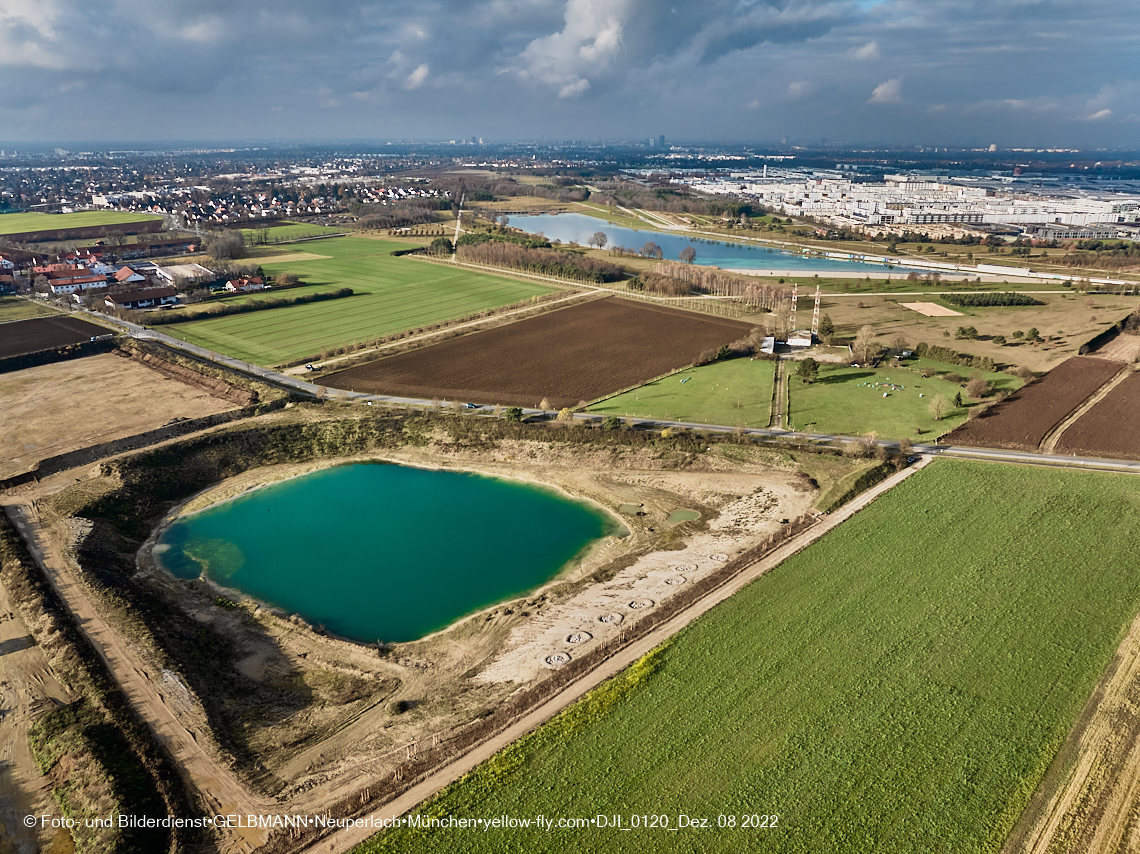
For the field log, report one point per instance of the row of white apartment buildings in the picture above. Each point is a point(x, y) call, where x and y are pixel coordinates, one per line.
point(907, 200)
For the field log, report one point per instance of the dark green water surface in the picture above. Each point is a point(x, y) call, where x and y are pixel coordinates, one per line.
point(384, 552)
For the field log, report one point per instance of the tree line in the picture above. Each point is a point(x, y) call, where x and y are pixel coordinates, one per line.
point(755, 294)
point(545, 262)
point(971, 300)
point(938, 353)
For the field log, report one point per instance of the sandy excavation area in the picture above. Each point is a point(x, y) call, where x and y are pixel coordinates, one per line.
point(53, 409)
point(931, 309)
point(375, 706)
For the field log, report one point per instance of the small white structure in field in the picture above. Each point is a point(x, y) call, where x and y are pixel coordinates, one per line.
point(800, 338)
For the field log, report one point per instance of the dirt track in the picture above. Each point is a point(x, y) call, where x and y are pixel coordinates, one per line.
point(344, 840)
point(27, 689)
point(223, 793)
point(1088, 800)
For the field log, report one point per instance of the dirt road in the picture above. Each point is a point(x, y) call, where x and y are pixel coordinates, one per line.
point(28, 688)
point(149, 693)
point(344, 840)
point(1087, 801)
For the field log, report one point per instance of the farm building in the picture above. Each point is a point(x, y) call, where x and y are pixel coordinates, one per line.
point(246, 285)
point(148, 298)
point(768, 345)
point(800, 338)
point(81, 282)
point(127, 276)
point(184, 273)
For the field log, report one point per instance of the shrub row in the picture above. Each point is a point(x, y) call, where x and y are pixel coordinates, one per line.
point(945, 354)
point(991, 299)
point(160, 318)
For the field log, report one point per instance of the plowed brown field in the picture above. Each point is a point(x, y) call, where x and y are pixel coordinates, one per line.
point(1025, 419)
point(44, 333)
point(1109, 428)
point(577, 353)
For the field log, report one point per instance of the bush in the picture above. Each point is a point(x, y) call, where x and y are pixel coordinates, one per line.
point(512, 413)
point(611, 422)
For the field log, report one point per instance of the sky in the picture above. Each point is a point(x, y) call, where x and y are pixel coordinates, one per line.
point(1015, 73)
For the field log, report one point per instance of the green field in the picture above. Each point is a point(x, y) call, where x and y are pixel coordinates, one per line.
point(19, 223)
point(848, 402)
point(17, 308)
point(391, 295)
point(291, 231)
point(899, 686)
point(734, 392)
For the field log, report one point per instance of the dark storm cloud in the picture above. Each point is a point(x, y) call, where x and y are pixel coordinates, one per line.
point(1059, 71)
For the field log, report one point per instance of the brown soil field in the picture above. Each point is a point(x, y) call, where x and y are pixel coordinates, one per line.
point(577, 353)
point(1025, 419)
point(1108, 429)
point(44, 333)
point(52, 409)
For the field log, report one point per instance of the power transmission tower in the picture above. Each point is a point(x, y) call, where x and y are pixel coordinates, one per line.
point(795, 303)
point(815, 317)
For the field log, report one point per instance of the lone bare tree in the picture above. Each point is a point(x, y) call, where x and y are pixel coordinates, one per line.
point(687, 254)
point(938, 407)
point(598, 239)
point(865, 347)
point(652, 250)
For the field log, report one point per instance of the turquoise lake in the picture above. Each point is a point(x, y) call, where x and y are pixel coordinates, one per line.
point(577, 228)
point(377, 552)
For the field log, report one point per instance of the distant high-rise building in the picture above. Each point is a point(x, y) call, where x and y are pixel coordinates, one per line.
point(652, 142)
point(993, 146)
point(661, 141)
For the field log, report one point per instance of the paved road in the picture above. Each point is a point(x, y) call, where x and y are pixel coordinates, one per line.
point(311, 390)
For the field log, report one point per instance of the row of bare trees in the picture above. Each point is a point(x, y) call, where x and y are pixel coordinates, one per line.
point(546, 262)
point(755, 294)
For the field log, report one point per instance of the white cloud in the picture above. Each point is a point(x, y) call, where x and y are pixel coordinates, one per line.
point(868, 51)
point(590, 39)
point(416, 79)
point(887, 92)
point(800, 89)
point(576, 88)
point(1100, 114)
point(755, 105)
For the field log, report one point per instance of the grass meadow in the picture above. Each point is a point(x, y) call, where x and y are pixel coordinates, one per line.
point(291, 231)
point(19, 223)
point(18, 308)
point(901, 685)
point(391, 294)
point(734, 392)
point(849, 401)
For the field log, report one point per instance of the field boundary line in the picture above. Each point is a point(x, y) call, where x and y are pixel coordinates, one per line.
point(435, 780)
point(1085, 781)
point(1053, 437)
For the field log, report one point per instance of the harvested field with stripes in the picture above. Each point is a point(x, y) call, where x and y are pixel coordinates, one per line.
point(1023, 421)
point(1108, 429)
point(577, 353)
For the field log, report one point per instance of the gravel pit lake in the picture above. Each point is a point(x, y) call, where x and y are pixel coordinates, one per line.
point(382, 552)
